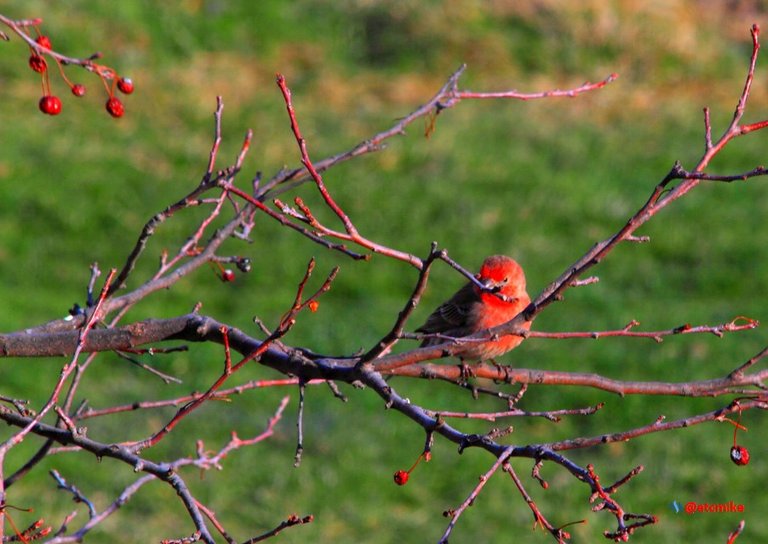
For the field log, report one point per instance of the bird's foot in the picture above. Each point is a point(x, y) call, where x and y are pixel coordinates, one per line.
point(465, 371)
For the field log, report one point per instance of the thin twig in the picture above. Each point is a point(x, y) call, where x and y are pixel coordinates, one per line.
point(299, 427)
point(455, 514)
point(292, 521)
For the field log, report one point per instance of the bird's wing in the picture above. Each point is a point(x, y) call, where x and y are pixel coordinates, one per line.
point(451, 317)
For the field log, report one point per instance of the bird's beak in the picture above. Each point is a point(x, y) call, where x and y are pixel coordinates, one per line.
point(490, 285)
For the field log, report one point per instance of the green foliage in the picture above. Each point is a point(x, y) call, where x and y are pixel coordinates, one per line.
point(541, 181)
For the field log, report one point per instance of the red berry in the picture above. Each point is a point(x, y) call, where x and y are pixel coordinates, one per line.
point(43, 41)
point(37, 63)
point(401, 477)
point(50, 104)
point(740, 455)
point(125, 85)
point(115, 107)
point(78, 90)
point(227, 275)
point(313, 305)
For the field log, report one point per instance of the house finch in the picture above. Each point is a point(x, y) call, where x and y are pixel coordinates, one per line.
point(472, 310)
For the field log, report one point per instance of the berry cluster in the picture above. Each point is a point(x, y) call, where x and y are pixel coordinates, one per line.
point(50, 104)
point(228, 275)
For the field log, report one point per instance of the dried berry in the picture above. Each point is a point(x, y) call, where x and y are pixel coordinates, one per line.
point(244, 264)
point(43, 41)
point(115, 107)
point(37, 63)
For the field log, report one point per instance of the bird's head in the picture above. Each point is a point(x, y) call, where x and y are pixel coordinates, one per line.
point(502, 275)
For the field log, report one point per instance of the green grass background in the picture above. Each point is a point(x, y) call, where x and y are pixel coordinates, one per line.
point(541, 181)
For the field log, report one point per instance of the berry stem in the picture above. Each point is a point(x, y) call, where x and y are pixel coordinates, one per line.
point(737, 427)
point(104, 81)
point(63, 75)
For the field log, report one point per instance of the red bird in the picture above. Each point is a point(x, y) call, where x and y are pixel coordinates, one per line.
point(472, 310)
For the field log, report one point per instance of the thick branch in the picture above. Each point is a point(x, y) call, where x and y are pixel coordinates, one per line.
point(198, 328)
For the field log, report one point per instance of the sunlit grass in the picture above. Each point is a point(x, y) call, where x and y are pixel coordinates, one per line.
point(541, 181)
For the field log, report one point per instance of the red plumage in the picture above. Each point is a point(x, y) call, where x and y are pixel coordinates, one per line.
point(471, 310)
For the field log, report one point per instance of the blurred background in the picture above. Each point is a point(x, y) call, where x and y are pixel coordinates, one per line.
point(541, 181)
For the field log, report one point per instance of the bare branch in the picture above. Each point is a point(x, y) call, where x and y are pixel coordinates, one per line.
point(454, 514)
